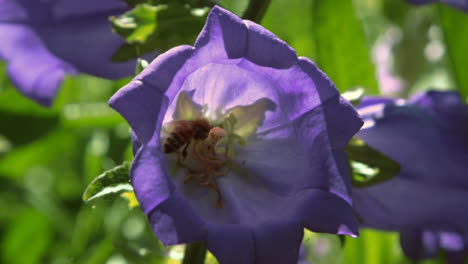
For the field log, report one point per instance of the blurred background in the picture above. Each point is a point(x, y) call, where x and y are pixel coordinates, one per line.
point(49, 156)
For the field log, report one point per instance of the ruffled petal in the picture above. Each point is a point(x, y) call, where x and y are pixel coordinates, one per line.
point(143, 101)
point(140, 104)
point(150, 179)
point(165, 71)
point(266, 49)
point(174, 222)
point(324, 212)
point(37, 73)
point(223, 36)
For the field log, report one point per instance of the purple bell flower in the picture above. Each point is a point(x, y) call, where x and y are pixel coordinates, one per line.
point(239, 143)
point(460, 4)
point(42, 41)
point(426, 202)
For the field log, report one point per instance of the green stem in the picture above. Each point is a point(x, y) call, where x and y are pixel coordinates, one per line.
point(256, 10)
point(195, 253)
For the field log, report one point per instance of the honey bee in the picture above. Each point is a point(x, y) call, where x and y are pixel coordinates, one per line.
point(183, 131)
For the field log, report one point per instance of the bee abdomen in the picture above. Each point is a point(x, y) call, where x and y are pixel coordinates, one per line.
point(172, 143)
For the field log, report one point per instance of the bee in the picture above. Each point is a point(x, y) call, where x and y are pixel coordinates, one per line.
point(183, 131)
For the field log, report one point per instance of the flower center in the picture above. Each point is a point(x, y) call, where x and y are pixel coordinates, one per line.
point(205, 151)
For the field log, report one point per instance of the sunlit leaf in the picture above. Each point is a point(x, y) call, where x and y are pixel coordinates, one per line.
point(354, 96)
point(113, 181)
point(455, 28)
point(149, 28)
point(341, 46)
point(92, 114)
point(137, 24)
point(368, 165)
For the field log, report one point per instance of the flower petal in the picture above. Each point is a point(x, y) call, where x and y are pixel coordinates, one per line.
point(266, 49)
point(37, 73)
point(83, 9)
point(88, 44)
point(150, 179)
point(174, 222)
point(401, 203)
point(224, 35)
point(277, 243)
point(161, 73)
point(231, 244)
point(327, 213)
point(418, 131)
point(140, 104)
point(419, 245)
point(143, 102)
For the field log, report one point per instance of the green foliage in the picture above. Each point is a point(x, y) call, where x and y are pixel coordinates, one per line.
point(137, 24)
point(368, 165)
point(27, 239)
point(113, 181)
point(455, 27)
point(150, 28)
point(299, 30)
point(341, 46)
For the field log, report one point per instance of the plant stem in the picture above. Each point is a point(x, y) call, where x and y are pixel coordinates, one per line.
point(195, 253)
point(256, 10)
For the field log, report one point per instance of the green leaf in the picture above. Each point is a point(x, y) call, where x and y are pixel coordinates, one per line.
point(157, 28)
point(454, 24)
point(354, 96)
point(137, 24)
point(113, 181)
point(368, 165)
point(89, 114)
point(26, 239)
point(298, 33)
point(341, 46)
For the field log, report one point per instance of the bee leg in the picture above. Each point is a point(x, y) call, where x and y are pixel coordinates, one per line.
point(184, 151)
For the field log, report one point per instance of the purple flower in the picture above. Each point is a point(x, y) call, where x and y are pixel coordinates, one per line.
point(271, 161)
point(427, 136)
point(42, 41)
point(424, 244)
point(460, 4)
